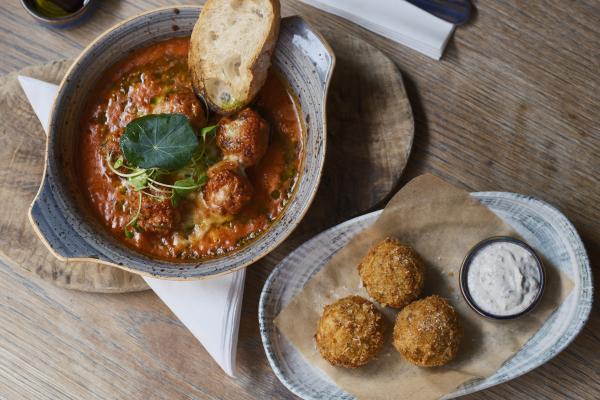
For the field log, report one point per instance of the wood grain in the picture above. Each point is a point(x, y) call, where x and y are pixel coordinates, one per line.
point(370, 132)
point(512, 106)
point(24, 152)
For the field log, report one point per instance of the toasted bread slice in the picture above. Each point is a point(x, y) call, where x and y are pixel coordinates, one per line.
point(230, 51)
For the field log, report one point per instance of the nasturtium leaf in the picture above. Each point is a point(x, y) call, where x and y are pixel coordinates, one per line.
point(165, 141)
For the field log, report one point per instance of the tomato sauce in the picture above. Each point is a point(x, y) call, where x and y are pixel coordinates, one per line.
point(155, 80)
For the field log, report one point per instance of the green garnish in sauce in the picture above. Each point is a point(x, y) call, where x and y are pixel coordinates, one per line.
point(158, 147)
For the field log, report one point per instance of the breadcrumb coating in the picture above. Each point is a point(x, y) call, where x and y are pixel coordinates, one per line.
point(350, 332)
point(427, 332)
point(392, 273)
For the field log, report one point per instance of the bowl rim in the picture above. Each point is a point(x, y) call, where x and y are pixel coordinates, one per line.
point(136, 254)
point(466, 264)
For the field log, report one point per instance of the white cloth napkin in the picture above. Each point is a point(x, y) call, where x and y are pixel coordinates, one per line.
point(398, 20)
point(210, 309)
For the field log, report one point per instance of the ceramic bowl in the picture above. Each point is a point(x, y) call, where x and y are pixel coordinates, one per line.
point(59, 213)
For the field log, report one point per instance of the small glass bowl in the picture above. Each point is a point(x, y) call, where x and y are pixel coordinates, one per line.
point(65, 21)
point(464, 272)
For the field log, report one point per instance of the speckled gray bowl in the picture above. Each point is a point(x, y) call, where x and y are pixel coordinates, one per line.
point(59, 213)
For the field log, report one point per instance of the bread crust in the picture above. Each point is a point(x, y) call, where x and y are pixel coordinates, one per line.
point(260, 61)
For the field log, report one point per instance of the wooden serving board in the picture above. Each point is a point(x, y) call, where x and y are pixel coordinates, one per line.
point(370, 134)
point(22, 146)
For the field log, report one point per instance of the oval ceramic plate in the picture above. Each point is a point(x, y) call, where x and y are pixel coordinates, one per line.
point(541, 226)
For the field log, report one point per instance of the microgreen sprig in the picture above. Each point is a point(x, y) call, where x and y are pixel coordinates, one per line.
point(150, 181)
point(133, 221)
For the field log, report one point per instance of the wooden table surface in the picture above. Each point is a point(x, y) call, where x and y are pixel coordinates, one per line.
point(513, 106)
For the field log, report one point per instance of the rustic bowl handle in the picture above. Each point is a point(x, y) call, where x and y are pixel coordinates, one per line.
point(315, 47)
point(56, 230)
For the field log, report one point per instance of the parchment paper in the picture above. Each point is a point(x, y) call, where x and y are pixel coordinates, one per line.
point(442, 223)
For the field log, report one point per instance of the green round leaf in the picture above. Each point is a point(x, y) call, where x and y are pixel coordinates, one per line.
point(165, 141)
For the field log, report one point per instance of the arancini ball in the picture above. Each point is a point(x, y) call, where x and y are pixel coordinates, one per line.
point(427, 332)
point(350, 332)
point(393, 274)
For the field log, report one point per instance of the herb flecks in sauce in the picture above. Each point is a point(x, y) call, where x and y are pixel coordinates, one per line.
point(172, 220)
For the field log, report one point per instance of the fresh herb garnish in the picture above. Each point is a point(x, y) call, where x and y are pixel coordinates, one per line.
point(138, 182)
point(165, 141)
point(133, 222)
point(208, 130)
point(187, 186)
point(119, 163)
point(160, 149)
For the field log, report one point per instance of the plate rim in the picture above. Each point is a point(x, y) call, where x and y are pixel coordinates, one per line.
point(584, 302)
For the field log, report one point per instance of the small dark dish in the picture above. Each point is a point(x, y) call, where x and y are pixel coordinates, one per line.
point(69, 20)
point(464, 269)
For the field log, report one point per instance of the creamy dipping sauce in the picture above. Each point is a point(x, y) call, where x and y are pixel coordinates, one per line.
point(503, 278)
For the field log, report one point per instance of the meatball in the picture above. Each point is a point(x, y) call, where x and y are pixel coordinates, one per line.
point(227, 189)
point(243, 138)
point(350, 332)
point(427, 332)
point(183, 102)
point(392, 273)
point(156, 216)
